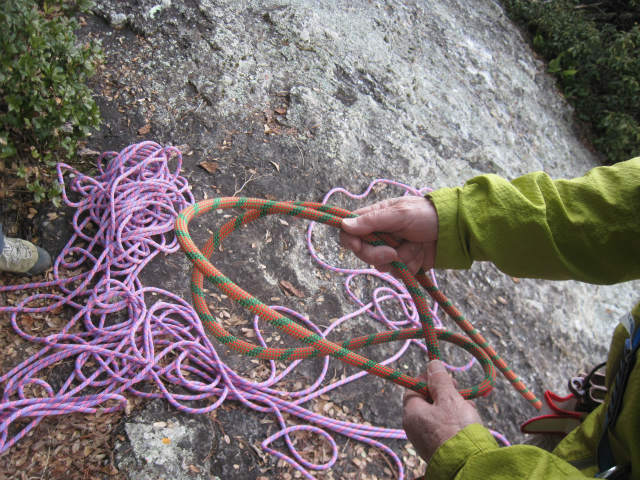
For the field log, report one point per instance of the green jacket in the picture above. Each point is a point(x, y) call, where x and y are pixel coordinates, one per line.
point(585, 229)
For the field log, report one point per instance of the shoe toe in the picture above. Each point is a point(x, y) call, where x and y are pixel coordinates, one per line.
point(42, 264)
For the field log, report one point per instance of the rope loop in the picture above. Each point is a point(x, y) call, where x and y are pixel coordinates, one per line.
point(317, 345)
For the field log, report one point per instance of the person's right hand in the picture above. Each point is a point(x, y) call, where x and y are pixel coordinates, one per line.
point(428, 424)
point(411, 220)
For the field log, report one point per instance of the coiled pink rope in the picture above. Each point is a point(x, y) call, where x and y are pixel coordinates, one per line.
point(122, 334)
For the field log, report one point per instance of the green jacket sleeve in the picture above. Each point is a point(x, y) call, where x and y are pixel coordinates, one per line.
point(474, 454)
point(583, 229)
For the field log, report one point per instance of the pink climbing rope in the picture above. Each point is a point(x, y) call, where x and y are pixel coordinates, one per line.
point(122, 334)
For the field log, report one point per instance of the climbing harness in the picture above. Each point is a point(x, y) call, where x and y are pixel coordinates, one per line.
point(563, 414)
point(606, 460)
point(254, 209)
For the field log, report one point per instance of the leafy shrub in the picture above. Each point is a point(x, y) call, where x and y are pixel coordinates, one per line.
point(45, 104)
point(593, 49)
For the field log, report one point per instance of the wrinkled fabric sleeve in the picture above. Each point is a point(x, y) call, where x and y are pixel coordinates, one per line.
point(584, 229)
point(474, 454)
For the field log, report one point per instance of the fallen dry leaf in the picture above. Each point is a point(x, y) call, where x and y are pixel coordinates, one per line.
point(275, 165)
point(209, 166)
point(87, 152)
point(144, 129)
point(290, 290)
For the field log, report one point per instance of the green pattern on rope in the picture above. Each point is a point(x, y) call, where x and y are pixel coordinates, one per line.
point(257, 208)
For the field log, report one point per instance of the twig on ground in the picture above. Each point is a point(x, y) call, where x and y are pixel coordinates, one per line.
point(251, 178)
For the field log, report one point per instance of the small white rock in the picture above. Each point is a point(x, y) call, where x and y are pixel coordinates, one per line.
point(118, 20)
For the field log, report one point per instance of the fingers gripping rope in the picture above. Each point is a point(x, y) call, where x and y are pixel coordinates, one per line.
point(394, 287)
point(317, 345)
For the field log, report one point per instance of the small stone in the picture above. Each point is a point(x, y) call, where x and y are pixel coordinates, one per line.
point(118, 20)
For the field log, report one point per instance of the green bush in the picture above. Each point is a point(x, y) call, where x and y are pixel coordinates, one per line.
point(45, 104)
point(593, 49)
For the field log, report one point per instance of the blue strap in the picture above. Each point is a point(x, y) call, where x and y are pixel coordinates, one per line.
point(636, 340)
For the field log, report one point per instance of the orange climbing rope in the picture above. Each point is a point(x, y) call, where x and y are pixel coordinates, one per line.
point(316, 345)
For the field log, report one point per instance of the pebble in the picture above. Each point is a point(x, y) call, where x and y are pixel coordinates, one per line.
point(118, 20)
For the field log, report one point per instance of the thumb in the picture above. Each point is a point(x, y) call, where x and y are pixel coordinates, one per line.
point(440, 383)
point(378, 220)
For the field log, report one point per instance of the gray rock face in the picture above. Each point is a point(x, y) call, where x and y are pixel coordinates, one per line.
point(291, 98)
point(160, 443)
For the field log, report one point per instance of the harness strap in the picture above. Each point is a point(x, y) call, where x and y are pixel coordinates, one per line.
point(606, 460)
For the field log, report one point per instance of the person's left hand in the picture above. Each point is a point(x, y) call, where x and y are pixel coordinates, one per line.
point(429, 425)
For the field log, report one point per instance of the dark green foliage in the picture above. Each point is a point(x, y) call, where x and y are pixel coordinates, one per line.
point(45, 104)
point(593, 49)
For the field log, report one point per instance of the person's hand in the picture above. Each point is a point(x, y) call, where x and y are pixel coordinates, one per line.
point(412, 220)
point(429, 425)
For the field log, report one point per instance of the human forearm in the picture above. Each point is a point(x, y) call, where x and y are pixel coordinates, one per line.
point(585, 229)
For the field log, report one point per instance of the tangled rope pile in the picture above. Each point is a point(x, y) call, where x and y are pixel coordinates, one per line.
point(123, 219)
point(122, 335)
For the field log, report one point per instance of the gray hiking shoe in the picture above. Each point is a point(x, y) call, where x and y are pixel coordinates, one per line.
point(20, 256)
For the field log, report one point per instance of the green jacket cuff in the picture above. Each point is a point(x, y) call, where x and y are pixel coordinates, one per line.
point(450, 249)
point(455, 452)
